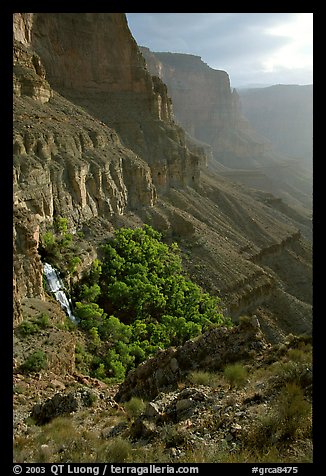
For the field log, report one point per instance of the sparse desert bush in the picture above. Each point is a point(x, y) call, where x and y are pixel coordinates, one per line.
point(235, 374)
point(116, 450)
point(35, 362)
point(134, 407)
point(293, 412)
point(292, 371)
point(173, 435)
point(288, 417)
point(199, 377)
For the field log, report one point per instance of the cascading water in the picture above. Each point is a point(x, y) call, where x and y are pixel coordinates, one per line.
point(56, 287)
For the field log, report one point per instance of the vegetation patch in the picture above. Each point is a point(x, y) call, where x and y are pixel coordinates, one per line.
point(235, 374)
point(137, 300)
point(35, 362)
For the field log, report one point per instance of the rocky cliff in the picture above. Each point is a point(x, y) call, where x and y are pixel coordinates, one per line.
point(210, 111)
point(95, 141)
point(114, 86)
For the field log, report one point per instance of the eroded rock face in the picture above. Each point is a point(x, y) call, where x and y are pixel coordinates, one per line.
point(68, 163)
point(29, 75)
point(93, 60)
point(210, 352)
point(27, 265)
point(65, 163)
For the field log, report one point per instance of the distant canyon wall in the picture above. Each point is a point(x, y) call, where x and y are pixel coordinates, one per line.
point(211, 112)
point(206, 107)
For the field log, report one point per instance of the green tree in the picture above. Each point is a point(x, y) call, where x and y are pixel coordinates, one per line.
point(144, 301)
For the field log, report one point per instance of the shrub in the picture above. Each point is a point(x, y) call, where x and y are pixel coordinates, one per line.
point(43, 321)
point(235, 374)
point(292, 411)
point(199, 377)
point(73, 264)
point(134, 407)
point(35, 362)
point(289, 417)
point(173, 436)
point(61, 225)
point(27, 328)
point(48, 240)
point(116, 450)
point(293, 371)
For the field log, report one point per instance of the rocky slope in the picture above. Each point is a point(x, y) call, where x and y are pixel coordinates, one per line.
point(177, 412)
point(210, 111)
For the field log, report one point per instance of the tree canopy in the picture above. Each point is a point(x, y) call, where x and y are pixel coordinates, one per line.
point(138, 299)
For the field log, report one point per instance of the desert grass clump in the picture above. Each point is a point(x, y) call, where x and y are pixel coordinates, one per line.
point(292, 371)
point(293, 412)
point(21, 449)
point(235, 374)
point(116, 450)
point(173, 435)
point(35, 362)
point(199, 377)
point(134, 407)
point(288, 418)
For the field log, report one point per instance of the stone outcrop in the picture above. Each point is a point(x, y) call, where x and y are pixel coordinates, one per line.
point(27, 266)
point(29, 75)
point(210, 352)
point(62, 404)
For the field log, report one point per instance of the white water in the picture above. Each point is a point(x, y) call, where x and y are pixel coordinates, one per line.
point(56, 287)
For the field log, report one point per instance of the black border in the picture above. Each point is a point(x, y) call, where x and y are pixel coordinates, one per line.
point(6, 194)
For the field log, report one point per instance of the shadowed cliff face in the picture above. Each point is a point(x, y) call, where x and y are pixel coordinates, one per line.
point(95, 142)
point(93, 60)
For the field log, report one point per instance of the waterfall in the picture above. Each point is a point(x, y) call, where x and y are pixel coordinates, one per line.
point(55, 286)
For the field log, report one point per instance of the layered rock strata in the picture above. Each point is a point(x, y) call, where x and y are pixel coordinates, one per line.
point(113, 84)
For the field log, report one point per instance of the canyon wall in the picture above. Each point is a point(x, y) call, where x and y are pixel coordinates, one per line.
point(210, 111)
point(92, 59)
point(95, 141)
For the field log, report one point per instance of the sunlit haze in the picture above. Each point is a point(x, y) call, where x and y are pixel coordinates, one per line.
point(254, 48)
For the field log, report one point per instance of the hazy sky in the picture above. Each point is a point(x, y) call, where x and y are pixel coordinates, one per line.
point(253, 48)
